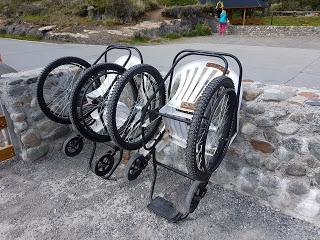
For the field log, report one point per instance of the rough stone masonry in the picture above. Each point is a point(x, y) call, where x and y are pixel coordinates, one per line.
point(275, 158)
point(276, 155)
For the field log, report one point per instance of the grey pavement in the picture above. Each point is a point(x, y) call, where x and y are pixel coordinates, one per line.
point(57, 198)
point(289, 61)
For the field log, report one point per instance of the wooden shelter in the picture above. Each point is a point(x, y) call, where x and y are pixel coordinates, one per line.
point(245, 6)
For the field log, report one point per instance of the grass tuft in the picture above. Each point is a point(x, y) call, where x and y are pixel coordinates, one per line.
point(21, 37)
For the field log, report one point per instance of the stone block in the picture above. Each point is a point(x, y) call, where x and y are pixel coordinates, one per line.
point(57, 133)
point(312, 162)
point(317, 178)
point(31, 138)
point(292, 144)
point(271, 164)
point(16, 91)
point(20, 126)
point(35, 153)
point(254, 159)
point(250, 94)
point(273, 95)
point(15, 82)
point(251, 175)
point(264, 122)
point(248, 128)
point(287, 128)
point(296, 169)
point(262, 146)
point(37, 116)
point(298, 187)
point(309, 95)
point(34, 103)
point(314, 148)
point(264, 193)
point(283, 155)
point(18, 117)
point(277, 112)
point(25, 99)
point(255, 108)
point(47, 126)
point(270, 182)
point(278, 93)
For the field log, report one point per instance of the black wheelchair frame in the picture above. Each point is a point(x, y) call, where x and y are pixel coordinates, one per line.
point(161, 206)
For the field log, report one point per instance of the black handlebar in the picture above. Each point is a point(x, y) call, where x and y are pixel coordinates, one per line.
point(120, 47)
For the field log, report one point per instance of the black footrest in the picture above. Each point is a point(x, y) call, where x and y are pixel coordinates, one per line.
point(165, 209)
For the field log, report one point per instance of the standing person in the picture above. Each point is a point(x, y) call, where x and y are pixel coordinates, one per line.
point(219, 8)
point(223, 22)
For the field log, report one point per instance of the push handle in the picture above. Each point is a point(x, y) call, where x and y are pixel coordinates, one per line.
point(120, 47)
point(210, 53)
point(189, 52)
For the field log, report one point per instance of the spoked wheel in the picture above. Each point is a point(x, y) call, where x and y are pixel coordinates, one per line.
point(55, 85)
point(135, 166)
point(107, 163)
point(124, 114)
point(197, 191)
point(210, 130)
point(103, 165)
point(88, 100)
point(73, 146)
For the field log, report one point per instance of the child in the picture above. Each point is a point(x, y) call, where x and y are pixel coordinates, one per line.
point(223, 22)
point(219, 8)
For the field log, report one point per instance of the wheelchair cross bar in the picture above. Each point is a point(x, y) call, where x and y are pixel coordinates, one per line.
point(180, 119)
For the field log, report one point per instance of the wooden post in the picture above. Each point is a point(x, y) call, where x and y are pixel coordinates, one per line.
point(244, 16)
point(7, 151)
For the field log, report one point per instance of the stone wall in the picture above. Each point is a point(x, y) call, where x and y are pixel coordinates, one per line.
point(35, 133)
point(277, 30)
point(276, 155)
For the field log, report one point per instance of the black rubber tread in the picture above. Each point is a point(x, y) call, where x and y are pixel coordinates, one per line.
point(90, 72)
point(192, 139)
point(42, 78)
point(132, 161)
point(191, 204)
point(113, 99)
point(96, 162)
point(67, 142)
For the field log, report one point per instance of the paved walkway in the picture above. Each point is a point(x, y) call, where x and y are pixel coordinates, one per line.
point(291, 61)
point(57, 198)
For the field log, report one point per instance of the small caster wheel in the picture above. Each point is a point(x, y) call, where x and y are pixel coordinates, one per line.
point(135, 166)
point(102, 166)
point(197, 191)
point(73, 146)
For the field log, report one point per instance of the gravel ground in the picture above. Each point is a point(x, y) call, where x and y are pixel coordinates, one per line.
point(58, 198)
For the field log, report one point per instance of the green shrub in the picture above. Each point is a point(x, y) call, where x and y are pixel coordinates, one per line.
point(200, 30)
point(172, 36)
point(138, 38)
point(178, 2)
point(21, 37)
point(188, 11)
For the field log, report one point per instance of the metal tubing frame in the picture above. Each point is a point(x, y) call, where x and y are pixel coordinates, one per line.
point(119, 47)
point(176, 60)
point(152, 149)
point(105, 55)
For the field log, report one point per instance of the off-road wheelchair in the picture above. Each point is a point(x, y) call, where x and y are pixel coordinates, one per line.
point(71, 91)
point(197, 110)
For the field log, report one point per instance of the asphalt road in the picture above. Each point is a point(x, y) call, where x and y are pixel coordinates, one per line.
point(290, 61)
point(57, 198)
